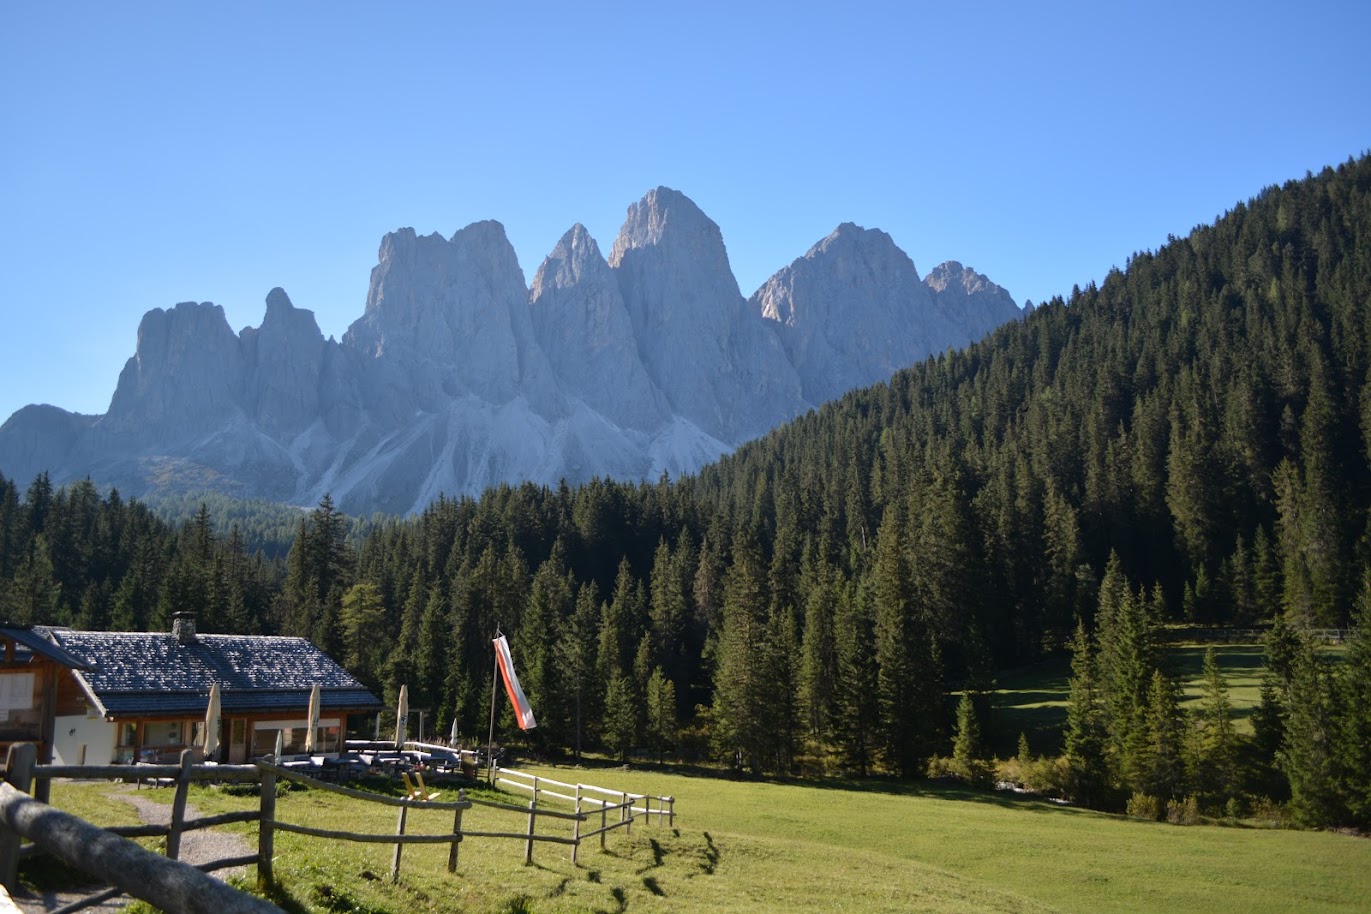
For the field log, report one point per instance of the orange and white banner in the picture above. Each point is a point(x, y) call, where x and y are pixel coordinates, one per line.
point(522, 711)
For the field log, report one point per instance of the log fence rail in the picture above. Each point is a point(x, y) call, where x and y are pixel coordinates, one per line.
point(152, 882)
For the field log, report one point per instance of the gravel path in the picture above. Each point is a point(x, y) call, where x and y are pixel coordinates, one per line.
point(197, 847)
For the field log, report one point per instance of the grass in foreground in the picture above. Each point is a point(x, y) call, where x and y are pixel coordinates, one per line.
point(754, 846)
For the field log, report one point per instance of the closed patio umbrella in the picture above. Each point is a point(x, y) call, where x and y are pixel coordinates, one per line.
point(313, 722)
point(212, 716)
point(401, 717)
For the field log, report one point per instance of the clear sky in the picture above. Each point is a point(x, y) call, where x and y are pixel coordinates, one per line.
point(157, 153)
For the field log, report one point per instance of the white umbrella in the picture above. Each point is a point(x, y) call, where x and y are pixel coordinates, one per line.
point(452, 737)
point(313, 723)
point(401, 717)
point(280, 745)
point(212, 715)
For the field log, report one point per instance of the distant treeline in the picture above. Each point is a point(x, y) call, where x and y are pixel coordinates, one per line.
point(1188, 441)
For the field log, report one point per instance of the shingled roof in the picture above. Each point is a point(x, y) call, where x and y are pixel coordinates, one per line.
point(152, 673)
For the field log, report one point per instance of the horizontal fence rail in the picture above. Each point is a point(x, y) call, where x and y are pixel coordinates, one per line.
point(129, 868)
point(24, 775)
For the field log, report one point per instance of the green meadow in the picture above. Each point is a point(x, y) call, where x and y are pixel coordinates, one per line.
point(752, 846)
point(741, 845)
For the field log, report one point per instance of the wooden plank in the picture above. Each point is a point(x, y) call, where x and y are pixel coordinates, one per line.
point(456, 835)
point(178, 806)
point(370, 839)
point(287, 774)
point(265, 838)
point(144, 772)
point(399, 845)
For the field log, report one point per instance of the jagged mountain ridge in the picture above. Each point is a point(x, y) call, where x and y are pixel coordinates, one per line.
point(460, 375)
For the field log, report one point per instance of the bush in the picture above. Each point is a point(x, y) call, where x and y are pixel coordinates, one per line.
point(1185, 812)
point(1042, 775)
point(975, 773)
point(1268, 813)
point(1142, 806)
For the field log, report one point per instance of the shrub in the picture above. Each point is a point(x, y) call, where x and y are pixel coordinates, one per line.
point(1186, 812)
point(1142, 806)
point(1268, 813)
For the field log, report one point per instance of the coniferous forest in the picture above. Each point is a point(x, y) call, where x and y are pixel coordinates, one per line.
point(1189, 442)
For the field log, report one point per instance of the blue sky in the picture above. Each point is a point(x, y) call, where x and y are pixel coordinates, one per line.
point(157, 153)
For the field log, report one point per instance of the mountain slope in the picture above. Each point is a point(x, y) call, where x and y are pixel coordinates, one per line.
point(458, 376)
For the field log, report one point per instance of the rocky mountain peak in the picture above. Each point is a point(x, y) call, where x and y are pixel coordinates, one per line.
point(660, 215)
point(969, 299)
point(582, 325)
point(185, 373)
point(458, 376)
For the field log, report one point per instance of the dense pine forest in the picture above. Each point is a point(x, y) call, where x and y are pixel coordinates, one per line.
point(1188, 442)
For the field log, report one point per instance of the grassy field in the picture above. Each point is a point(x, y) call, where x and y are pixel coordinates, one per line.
point(1032, 699)
point(831, 845)
point(753, 846)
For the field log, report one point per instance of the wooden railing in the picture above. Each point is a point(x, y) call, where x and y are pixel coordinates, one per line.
point(129, 868)
point(161, 886)
point(626, 807)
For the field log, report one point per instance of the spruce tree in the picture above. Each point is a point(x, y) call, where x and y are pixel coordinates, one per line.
point(968, 750)
point(1086, 726)
point(1354, 723)
point(1307, 756)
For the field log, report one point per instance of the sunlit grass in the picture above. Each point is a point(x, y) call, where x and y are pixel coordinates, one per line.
point(832, 845)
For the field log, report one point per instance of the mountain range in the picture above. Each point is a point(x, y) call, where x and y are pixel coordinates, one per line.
point(460, 375)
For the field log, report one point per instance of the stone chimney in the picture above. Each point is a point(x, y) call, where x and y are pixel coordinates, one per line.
point(183, 627)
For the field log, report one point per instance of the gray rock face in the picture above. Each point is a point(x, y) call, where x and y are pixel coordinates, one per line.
point(186, 376)
point(970, 303)
point(581, 323)
point(455, 315)
point(457, 377)
point(850, 312)
point(719, 366)
point(284, 360)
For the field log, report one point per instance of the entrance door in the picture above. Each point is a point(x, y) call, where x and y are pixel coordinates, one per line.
point(238, 741)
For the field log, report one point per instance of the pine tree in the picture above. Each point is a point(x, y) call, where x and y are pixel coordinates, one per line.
point(741, 685)
point(1158, 770)
point(1086, 728)
point(623, 717)
point(1307, 756)
point(661, 712)
point(577, 654)
point(897, 676)
point(1354, 723)
point(855, 724)
point(968, 751)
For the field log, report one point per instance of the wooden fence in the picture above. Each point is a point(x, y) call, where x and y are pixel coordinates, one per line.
point(161, 884)
point(108, 854)
point(581, 796)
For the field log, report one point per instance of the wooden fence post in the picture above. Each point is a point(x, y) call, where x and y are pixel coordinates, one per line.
point(576, 827)
point(604, 820)
point(178, 806)
point(399, 830)
point(265, 834)
point(670, 810)
point(456, 833)
point(626, 814)
point(19, 773)
point(528, 847)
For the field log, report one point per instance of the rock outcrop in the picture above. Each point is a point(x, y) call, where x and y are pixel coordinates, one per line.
point(457, 376)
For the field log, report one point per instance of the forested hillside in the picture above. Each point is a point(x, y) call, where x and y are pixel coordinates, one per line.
point(1199, 425)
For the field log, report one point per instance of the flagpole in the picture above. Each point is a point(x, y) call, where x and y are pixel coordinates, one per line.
point(490, 744)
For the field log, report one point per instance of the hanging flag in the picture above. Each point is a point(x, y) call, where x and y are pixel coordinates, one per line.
point(522, 711)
